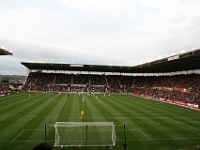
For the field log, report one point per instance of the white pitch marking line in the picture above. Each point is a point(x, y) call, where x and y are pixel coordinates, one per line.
point(179, 122)
point(144, 134)
point(17, 135)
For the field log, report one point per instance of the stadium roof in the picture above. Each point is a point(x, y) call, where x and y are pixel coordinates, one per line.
point(4, 52)
point(180, 62)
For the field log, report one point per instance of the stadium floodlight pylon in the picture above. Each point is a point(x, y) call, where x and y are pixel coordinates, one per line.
point(85, 134)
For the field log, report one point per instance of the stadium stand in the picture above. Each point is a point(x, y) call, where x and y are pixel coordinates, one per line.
point(9, 83)
point(183, 88)
point(174, 79)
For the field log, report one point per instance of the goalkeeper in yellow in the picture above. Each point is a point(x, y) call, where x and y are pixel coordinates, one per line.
point(82, 114)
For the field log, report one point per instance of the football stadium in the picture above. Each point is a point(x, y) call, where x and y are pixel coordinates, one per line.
point(152, 106)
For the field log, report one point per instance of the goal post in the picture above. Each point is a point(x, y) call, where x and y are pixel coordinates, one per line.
point(85, 134)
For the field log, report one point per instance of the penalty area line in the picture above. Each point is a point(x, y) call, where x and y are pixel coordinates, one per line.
point(144, 134)
point(17, 135)
point(179, 122)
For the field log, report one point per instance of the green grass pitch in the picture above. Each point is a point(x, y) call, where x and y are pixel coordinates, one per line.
point(150, 125)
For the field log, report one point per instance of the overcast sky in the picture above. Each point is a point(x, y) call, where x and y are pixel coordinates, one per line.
point(104, 32)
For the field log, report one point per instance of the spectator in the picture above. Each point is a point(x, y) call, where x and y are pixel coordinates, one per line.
point(43, 146)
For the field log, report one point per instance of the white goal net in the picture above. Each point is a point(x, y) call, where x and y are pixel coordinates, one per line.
point(84, 134)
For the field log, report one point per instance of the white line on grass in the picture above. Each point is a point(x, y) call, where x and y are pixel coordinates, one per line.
point(119, 125)
point(179, 122)
point(179, 139)
point(27, 141)
point(184, 124)
point(32, 129)
point(17, 135)
point(144, 134)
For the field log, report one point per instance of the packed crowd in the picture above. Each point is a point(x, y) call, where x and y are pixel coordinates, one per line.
point(3, 87)
point(184, 88)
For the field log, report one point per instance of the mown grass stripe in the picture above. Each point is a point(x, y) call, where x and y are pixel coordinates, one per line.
point(51, 118)
point(83, 106)
point(104, 112)
point(34, 121)
point(148, 122)
point(107, 104)
point(15, 105)
point(93, 110)
point(9, 98)
point(62, 116)
point(165, 126)
point(23, 110)
point(75, 109)
point(95, 113)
